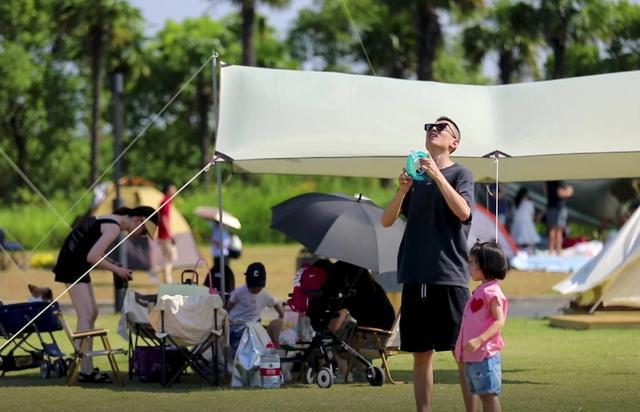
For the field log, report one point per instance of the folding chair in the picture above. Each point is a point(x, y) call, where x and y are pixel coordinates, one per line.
point(180, 329)
point(78, 340)
point(376, 343)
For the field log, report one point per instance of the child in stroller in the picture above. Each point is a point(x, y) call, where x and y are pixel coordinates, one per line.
point(349, 298)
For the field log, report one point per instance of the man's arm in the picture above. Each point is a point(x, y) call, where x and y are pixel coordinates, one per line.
point(454, 200)
point(392, 211)
point(565, 191)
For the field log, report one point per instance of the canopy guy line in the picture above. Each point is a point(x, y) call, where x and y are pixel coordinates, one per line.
point(108, 169)
point(357, 34)
point(106, 255)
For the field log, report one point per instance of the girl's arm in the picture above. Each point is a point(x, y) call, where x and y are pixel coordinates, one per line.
point(110, 233)
point(495, 327)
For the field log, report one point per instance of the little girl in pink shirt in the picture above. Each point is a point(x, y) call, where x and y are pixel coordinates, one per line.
point(480, 339)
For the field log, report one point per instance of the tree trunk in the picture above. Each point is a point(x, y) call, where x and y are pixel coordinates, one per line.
point(16, 125)
point(248, 13)
point(506, 67)
point(559, 51)
point(428, 39)
point(96, 84)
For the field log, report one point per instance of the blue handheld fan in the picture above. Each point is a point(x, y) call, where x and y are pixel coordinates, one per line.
point(413, 165)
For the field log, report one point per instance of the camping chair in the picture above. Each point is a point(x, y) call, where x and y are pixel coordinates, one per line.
point(12, 252)
point(374, 343)
point(78, 340)
point(194, 338)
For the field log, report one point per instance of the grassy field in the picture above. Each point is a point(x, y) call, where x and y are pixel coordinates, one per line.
point(279, 260)
point(545, 369)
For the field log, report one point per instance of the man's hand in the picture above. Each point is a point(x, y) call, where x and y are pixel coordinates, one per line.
point(429, 166)
point(473, 344)
point(404, 181)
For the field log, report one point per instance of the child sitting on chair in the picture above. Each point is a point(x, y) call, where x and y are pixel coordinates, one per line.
point(247, 302)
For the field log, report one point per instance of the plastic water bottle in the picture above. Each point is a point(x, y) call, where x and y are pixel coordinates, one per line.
point(270, 371)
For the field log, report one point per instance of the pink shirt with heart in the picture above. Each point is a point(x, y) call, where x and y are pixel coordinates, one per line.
point(476, 319)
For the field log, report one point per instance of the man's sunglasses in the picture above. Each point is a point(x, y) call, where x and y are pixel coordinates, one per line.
point(439, 126)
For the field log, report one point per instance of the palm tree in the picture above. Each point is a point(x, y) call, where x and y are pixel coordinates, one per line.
point(564, 21)
point(248, 15)
point(509, 29)
point(428, 30)
point(96, 23)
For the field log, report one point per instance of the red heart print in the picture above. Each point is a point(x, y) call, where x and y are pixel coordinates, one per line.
point(476, 304)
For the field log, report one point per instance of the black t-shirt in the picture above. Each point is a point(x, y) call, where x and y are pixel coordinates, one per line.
point(434, 245)
point(553, 200)
point(72, 259)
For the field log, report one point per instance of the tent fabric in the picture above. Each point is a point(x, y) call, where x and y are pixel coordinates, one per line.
point(138, 256)
point(483, 228)
point(616, 269)
point(322, 123)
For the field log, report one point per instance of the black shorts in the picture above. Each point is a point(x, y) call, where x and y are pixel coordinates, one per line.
point(431, 316)
point(70, 278)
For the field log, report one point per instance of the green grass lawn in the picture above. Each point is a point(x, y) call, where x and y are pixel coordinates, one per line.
point(544, 369)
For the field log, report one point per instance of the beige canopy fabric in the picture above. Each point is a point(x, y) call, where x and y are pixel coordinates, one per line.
point(321, 123)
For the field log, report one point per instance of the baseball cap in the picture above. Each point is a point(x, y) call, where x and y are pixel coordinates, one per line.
point(256, 275)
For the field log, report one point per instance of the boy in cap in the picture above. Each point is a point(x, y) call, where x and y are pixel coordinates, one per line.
point(247, 302)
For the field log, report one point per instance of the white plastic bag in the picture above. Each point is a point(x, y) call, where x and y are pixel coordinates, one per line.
point(289, 331)
point(246, 365)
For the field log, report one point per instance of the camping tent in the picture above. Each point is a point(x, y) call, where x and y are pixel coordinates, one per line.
point(138, 255)
point(322, 123)
point(613, 276)
point(483, 228)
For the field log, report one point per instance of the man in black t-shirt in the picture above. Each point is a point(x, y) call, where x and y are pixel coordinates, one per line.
point(557, 214)
point(432, 259)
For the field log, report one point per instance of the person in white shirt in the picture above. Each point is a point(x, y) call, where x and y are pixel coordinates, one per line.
point(523, 227)
point(247, 302)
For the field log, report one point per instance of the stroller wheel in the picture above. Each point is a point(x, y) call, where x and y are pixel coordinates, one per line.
point(375, 376)
point(45, 369)
point(324, 379)
point(68, 365)
point(309, 376)
point(58, 368)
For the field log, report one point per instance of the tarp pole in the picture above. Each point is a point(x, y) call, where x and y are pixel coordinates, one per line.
point(497, 194)
point(214, 97)
point(220, 232)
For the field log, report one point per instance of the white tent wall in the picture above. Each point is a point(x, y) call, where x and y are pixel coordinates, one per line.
point(319, 123)
point(617, 264)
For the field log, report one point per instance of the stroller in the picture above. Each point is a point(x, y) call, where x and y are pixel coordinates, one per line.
point(321, 303)
point(22, 353)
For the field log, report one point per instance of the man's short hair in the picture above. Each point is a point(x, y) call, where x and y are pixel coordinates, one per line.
point(446, 119)
point(459, 136)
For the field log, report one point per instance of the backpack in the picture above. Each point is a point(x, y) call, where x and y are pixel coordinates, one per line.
point(311, 281)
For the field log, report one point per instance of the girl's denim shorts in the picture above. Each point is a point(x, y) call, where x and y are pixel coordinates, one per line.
point(485, 377)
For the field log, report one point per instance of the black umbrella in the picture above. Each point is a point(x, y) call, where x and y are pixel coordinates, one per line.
point(340, 227)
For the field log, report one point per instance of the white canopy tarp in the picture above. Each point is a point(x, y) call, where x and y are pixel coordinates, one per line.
point(321, 123)
point(618, 264)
